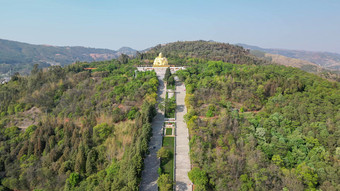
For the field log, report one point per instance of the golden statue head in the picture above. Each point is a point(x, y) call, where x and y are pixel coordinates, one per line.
point(160, 55)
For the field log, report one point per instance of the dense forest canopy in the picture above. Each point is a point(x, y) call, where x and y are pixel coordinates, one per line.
point(262, 128)
point(90, 132)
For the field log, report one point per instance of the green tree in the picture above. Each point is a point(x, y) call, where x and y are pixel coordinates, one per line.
point(211, 111)
point(247, 184)
point(307, 175)
point(80, 160)
point(90, 163)
point(35, 69)
point(123, 59)
point(277, 160)
point(167, 74)
point(164, 182)
point(132, 113)
point(171, 80)
point(163, 153)
point(198, 177)
point(337, 153)
point(73, 180)
point(101, 131)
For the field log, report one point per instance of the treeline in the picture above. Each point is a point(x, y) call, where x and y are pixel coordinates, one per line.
point(178, 52)
point(92, 132)
point(190, 53)
point(262, 128)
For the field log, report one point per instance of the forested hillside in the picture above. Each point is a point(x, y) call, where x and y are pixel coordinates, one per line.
point(198, 50)
point(304, 65)
point(264, 127)
point(327, 60)
point(20, 57)
point(253, 125)
point(192, 52)
point(90, 130)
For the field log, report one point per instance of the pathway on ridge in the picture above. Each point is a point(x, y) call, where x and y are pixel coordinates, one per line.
point(151, 162)
point(182, 165)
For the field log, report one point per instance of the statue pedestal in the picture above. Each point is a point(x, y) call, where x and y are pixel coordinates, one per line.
point(161, 66)
point(160, 70)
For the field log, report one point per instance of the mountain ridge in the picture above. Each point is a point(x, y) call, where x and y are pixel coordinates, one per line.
point(20, 56)
point(327, 60)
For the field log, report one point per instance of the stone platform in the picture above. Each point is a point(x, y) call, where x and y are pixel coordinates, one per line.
point(159, 70)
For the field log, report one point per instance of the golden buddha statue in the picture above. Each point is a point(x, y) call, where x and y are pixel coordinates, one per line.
point(160, 61)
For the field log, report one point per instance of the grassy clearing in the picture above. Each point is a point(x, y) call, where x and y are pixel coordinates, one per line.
point(168, 165)
point(168, 131)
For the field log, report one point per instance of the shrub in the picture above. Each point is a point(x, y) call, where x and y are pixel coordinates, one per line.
point(163, 153)
point(101, 131)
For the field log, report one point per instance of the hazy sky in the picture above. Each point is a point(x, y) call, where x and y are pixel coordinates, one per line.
point(290, 24)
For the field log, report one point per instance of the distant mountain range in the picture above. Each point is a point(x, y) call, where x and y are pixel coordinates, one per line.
point(20, 57)
point(326, 60)
point(127, 50)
